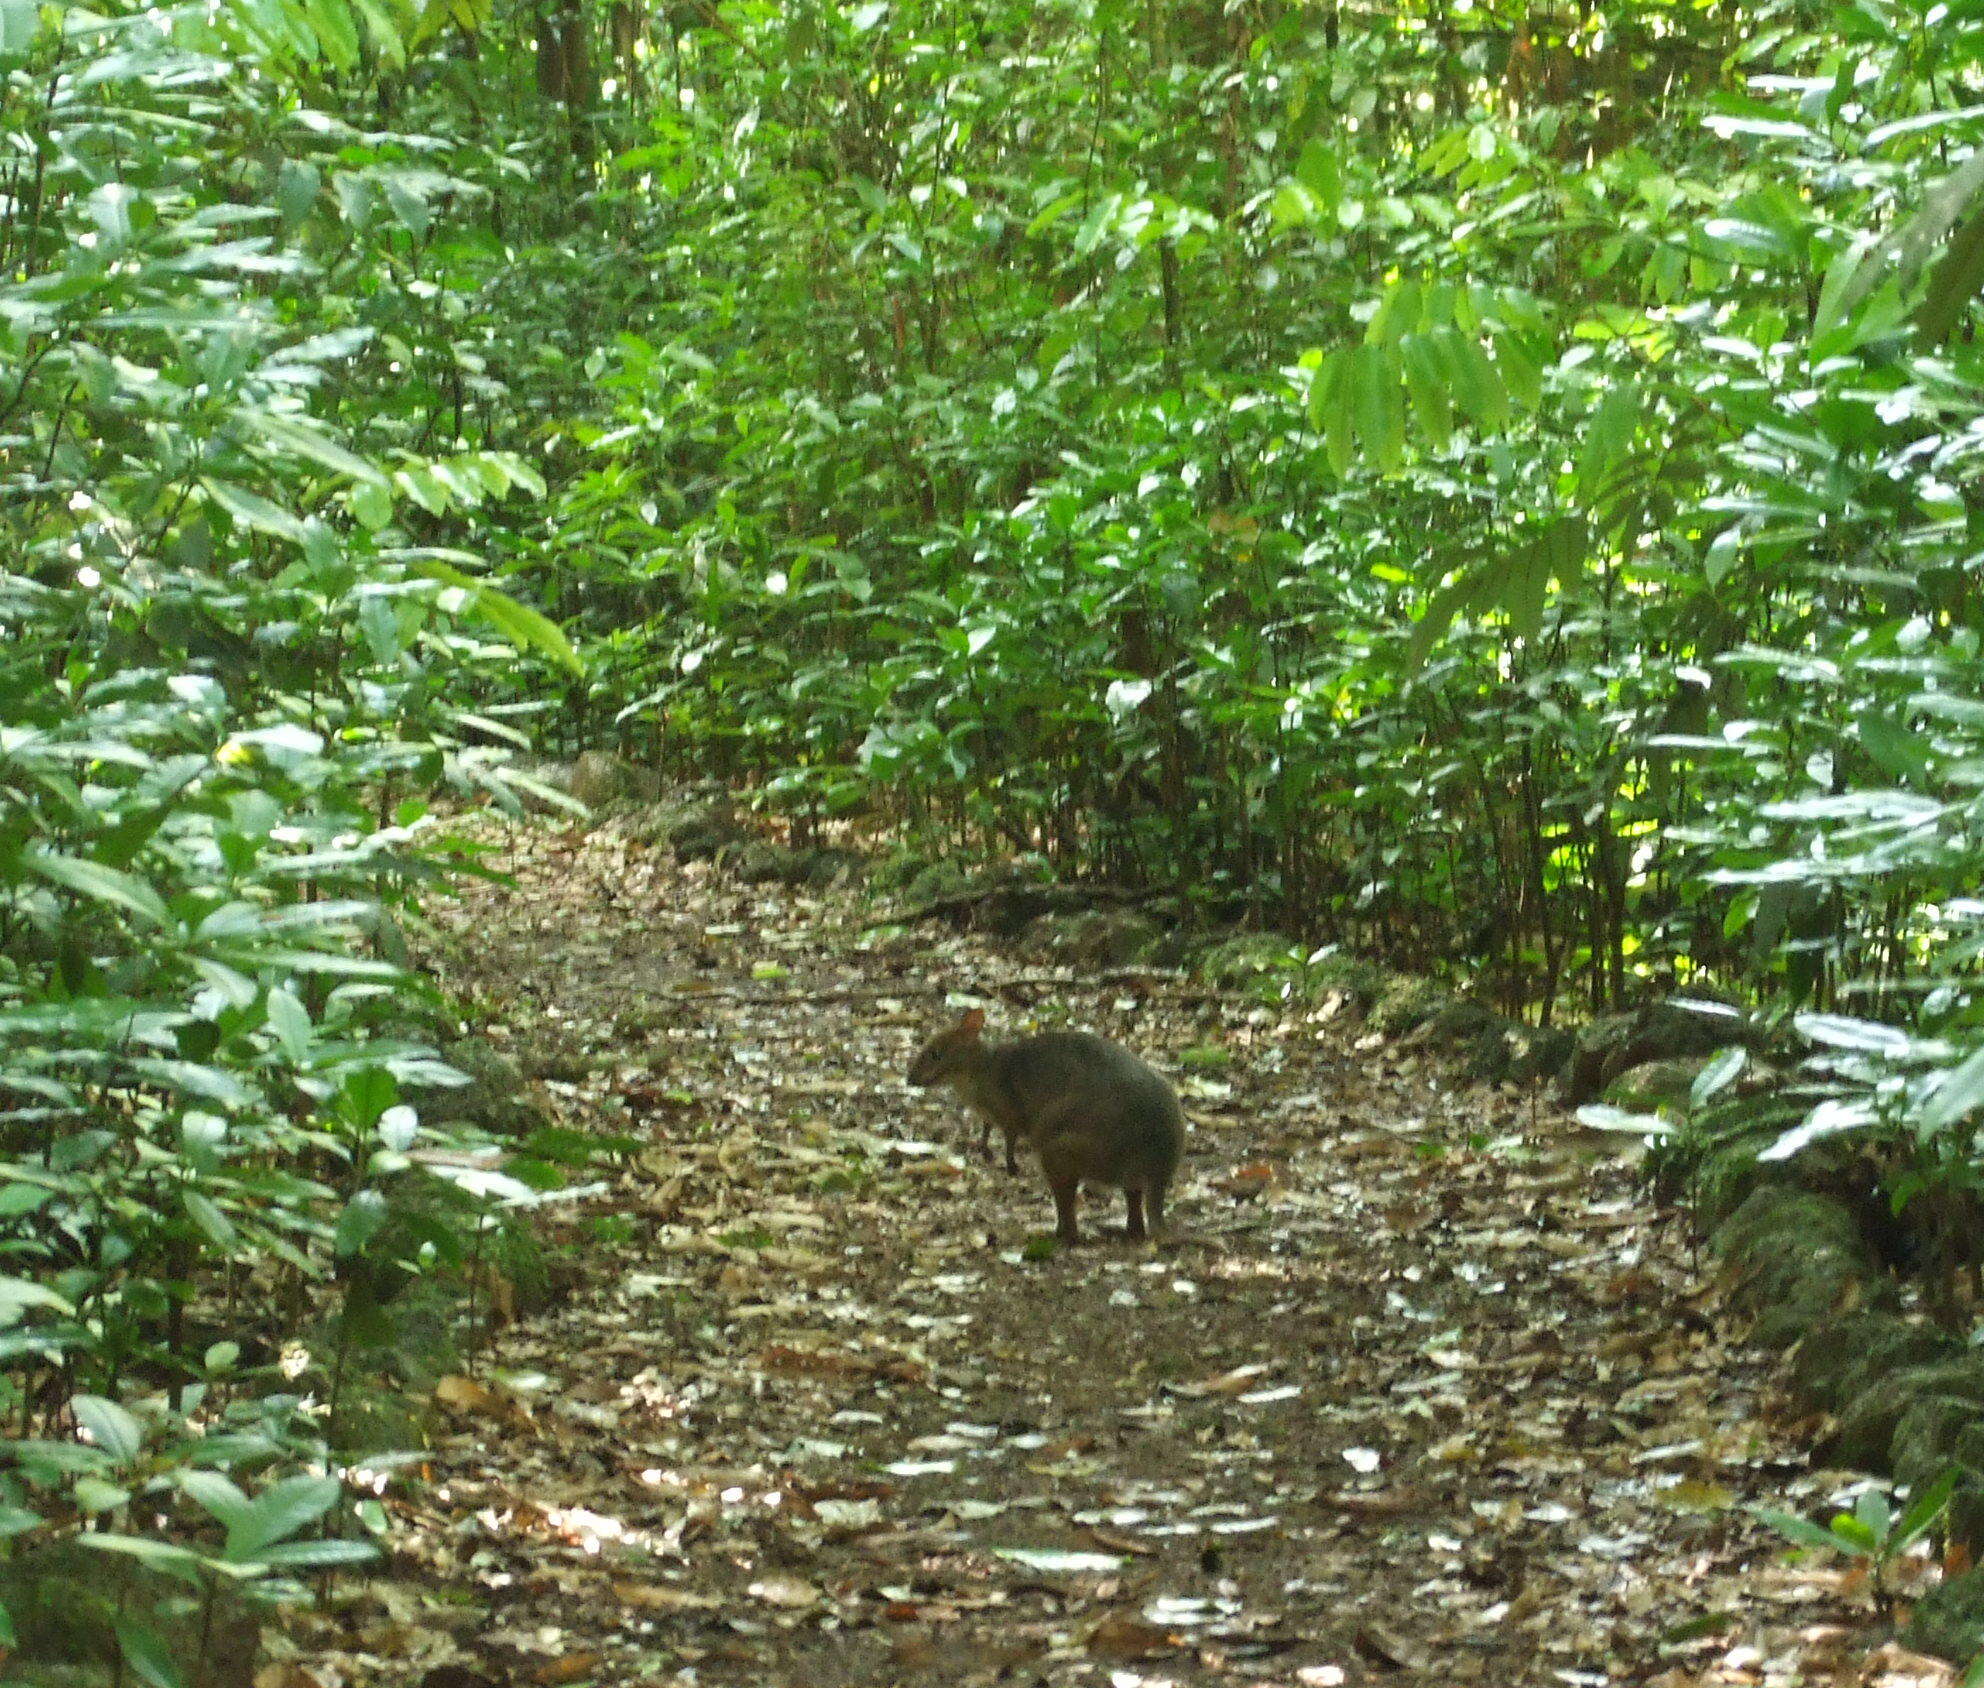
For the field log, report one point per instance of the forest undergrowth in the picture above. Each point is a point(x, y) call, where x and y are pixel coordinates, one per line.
point(1418, 1389)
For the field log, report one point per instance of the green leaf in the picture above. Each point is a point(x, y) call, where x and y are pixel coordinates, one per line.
point(1607, 442)
point(1440, 611)
point(217, 1227)
point(19, 21)
point(363, 1218)
point(113, 1429)
point(18, 1294)
point(297, 187)
point(1473, 380)
point(1802, 1531)
point(371, 503)
point(163, 1556)
point(1721, 1072)
point(317, 1555)
point(1317, 170)
point(290, 1021)
point(1426, 382)
point(525, 627)
point(1525, 588)
point(289, 436)
point(1896, 749)
point(146, 1653)
point(100, 884)
point(277, 1513)
point(1923, 1511)
point(1956, 1094)
point(219, 1494)
point(1380, 405)
point(253, 511)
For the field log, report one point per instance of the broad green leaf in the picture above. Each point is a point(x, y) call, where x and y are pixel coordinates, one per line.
point(1923, 1510)
point(112, 1428)
point(18, 1294)
point(292, 437)
point(1426, 382)
point(525, 627)
point(278, 1512)
point(1956, 1094)
point(363, 1218)
point(1607, 441)
point(1722, 1070)
point(164, 1556)
point(1895, 748)
point(219, 1494)
point(317, 1555)
point(1379, 405)
point(101, 884)
point(214, 1224)
point(146, 1652)
point(1802, 1532)
point(19, 20)
point(254, 511)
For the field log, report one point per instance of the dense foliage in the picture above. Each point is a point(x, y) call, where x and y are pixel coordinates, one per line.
point(1488, 484)
point(232, 656)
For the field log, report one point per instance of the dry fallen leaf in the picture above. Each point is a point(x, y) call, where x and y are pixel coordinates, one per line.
point(663, 1597)
point(792, 1593)
point(1123, 1635)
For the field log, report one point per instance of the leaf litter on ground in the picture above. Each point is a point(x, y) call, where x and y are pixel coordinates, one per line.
point(1418, 1389)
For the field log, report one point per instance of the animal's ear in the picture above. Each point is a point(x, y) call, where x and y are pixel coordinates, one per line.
point(973, 1022)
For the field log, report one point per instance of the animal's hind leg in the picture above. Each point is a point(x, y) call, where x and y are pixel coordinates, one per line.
point(1064, 1180)
point(1134, 1228)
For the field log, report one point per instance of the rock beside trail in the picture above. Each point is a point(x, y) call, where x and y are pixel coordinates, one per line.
point(1096, 938)
point(496, 1097)
point(691, 826)
point(1948, 1620)
point(599, 777)
point(1661, 1031)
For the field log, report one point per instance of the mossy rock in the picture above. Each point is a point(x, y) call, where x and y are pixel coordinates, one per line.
point(1776, 1217)
point(1664, 1085)
point(1540, 1053)
point(898, 869)
point(1490, 1054)
point(1407, 1005)
point(1948, 1621)
point(1249, 956)
point(378, 1419)
point(598, 778)
point(1866, 1436)
point(1840, 1356)
point(760, 861)
point(496, 1097)
point(1803, 1300)
point(698, 832)
point(1458, 1020)
point(1797, 1259)
point(64, 1598)
point(936, 882)
point(1661, 1031)
point(1097, 937)
point(1727, 1176)
point(1361, 982)
point(1927, 1438)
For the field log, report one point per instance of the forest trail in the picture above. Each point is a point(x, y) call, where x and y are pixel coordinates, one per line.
point(1417, 1392)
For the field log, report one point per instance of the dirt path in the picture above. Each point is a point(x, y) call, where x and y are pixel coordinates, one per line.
point(1417, 1392)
